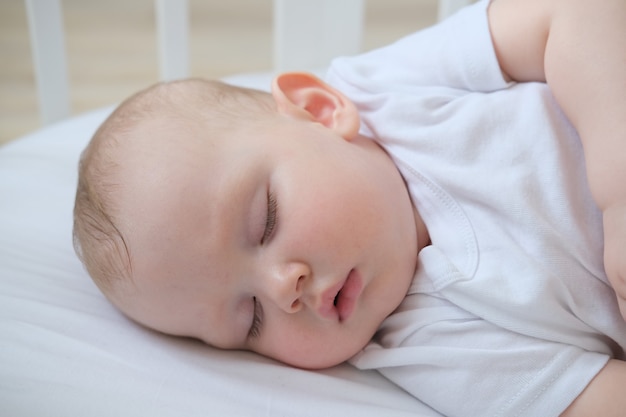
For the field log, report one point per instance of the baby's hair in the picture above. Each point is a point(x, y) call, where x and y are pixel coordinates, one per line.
point(98, 241)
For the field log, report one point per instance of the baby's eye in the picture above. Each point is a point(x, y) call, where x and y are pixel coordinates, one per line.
point(257, 320)
point(270, 221)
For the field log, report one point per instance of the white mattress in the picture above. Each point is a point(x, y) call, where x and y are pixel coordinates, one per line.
point(65, 351)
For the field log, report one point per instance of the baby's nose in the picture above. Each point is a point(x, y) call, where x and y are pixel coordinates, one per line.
point(287, 286)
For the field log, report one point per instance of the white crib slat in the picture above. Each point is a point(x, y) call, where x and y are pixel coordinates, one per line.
point(45, 24)
point(449, 7)
point(308, 34)
point(173, 38)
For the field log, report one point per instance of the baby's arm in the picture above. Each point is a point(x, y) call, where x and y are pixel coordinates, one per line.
point(604, 396)
point(579, 48)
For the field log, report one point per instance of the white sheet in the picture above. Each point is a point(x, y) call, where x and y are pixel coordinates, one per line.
point(65, 351)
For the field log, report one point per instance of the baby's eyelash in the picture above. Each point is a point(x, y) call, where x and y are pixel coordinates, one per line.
point(257, 320)
point(270, 221)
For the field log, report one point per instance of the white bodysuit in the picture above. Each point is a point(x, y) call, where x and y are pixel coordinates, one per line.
point(510, 312)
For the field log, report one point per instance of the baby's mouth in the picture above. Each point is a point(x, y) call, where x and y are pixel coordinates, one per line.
point(339, 301)
point(347, 297)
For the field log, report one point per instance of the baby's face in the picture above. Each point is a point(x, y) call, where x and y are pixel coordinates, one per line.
point(290, 241)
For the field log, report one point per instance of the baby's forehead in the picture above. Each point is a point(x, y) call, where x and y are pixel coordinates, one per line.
point(171, 135)
point(157, 131)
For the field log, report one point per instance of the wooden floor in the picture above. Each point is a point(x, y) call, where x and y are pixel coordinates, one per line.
point(112, 52)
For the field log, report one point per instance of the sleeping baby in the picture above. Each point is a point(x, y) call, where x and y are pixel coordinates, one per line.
point(449, 210)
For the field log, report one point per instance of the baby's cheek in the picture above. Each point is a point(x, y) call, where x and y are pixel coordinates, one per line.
point(303, 348)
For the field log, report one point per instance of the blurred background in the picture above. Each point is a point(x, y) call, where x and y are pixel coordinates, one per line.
point(111, 47)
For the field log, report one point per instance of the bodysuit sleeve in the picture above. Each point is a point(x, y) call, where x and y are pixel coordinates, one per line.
point(456, 53)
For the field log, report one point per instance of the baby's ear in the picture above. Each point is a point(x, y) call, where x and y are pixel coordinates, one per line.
point(304, 96)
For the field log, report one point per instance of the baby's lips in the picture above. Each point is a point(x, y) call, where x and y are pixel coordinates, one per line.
point(339, 301)
point(348, 295)
point(328, 309)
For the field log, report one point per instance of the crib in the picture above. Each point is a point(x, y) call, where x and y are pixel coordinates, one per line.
point(65, 351)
